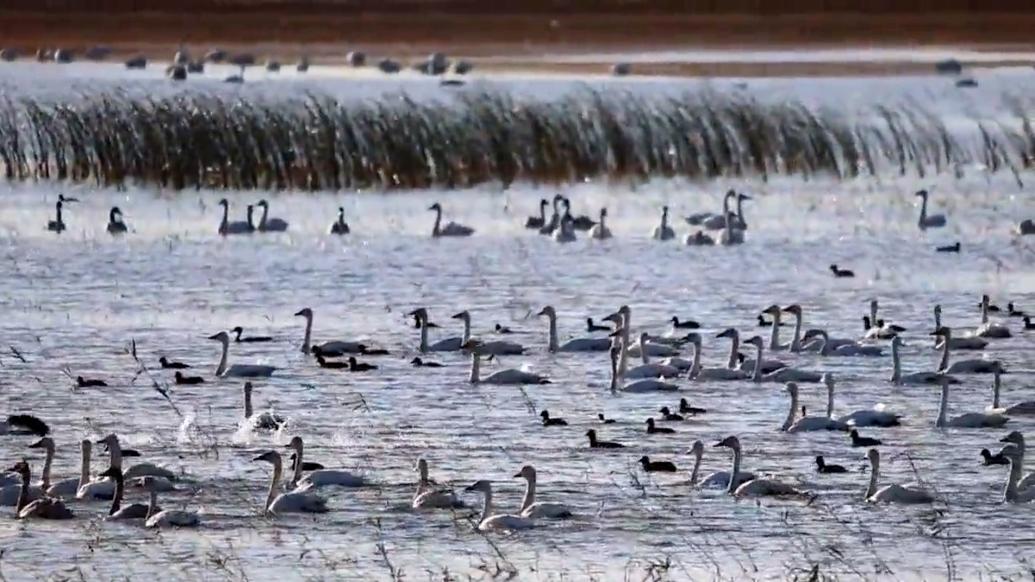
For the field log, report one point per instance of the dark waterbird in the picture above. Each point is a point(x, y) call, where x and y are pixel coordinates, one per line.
point(823, 467)
point(187, 380)
point(421, 363)
point(167, 364)
point(24, 424)
point(955, 248)
point(841, 273)
point(89, 382)
point(652, 428)
point(592, 327)
point(596, 444)
point(988, 459)
point(667, 415)
point(656, 466)
point(604, 420)
point(685, 408)
point(547, 421)
point(357, 366)
point(249, 340)
point(861, 441)
point(689, 324)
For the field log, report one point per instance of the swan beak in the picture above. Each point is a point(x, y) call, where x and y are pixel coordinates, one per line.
point(37, 445)
point(719, 444)
point(745, 197)
point(541, 313)
point(469, 488)
point(517, 476)
point(214, 336)
point(613, 318)
point(457, 315)
point(300, 313)
point(261, 457)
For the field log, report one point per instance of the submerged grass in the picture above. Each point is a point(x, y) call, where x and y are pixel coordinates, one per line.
point(199, 140)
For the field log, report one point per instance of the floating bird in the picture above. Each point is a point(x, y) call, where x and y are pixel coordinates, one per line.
point(547, 421)
point(823, 467)
point(656, 466)
point(187, 380)
point(841, 273)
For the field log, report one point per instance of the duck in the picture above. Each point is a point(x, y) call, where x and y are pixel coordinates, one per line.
point(451, 344)
point(255, 339)
point(238, 370)
point(988, 459)
point(57, 225)
point(861, 441)
point(807, 423)
point(115, 224)
point(322, 477)
point(357, 366)
point(428, 496)
point(956, 342)
point(532, 509)
point(330, 364)
point(988, 328)
point(953, 248)
point(592, 327)
point(594, 443)
point(584, 344)
point(329, 348)
point(1012, 311)
point(450, 229)
point(962, 366)
point(650, 466)
point(538, 222)
point(600, 230)
point(227, 228)
point(295, 501)
point(685, 408)
point(783, 374)
point(652, 428)
point(986, 419)
point(1028, 325)
point(603, 419)
point(419, 362)
point(1014, 493)
point(927, 221)
point(490, 521)
point(509, 376)
point(823, 467)
point(891, 493)
point(339, 226)
point(41, 507)
point(119, 512)
point(841, 273)
point(266, 420)
point(663, 231)
point(668, 416)
point(758, 487)
point(1025, 227)
point(876, 416)
point(168, 364)
point(89, 382)
point(1026, 408)
point(685, 324)
point(547, 421)
point(182, 380)
point(502, 330)
point(267, 224)
point(489, 348)
point(698, 239)
point(899, 379)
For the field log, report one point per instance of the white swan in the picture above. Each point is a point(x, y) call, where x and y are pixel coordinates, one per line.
point(449, 229)
point(663, 231)
point(267, 224)
point(748, 365)
point(623, 319)
point(731, 235)
point(850, 350)
point(119, 512)
point(967, 420)
point(329, 348)
point(238, 227)
point(292, 501)
point(499, 521)
point(1014, 493)
point(29, 505)
point(450, 344)
point(718, 479)
point(430, 497)
point(1016, 438)
point(807, 423)
point(712, 221)
point(753, 487)
point(898, 378)
point(639, 386)
point(531, 508)
point(164, 476)
point(600, 230)
point(94, 489)
point(962, 366)
point(697, 373)
point(265, 420)
point(781, 375)
point(875, 416)
point(566, 232)
point(1026, 408)
point(585, 344)
point(238, 370)
point(875, 330)
point(492, 348)
point(989, 328)
point(928, 221)
point(648, 369)
point(64, 487)
point(510, 376)
point(320, 477)
point(956, 342)
point(891, 493)
point(166, 517)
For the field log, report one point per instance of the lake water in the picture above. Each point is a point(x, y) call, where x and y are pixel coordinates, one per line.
point(77, 300)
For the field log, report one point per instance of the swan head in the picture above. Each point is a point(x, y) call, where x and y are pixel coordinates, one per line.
point(116, 210)
point(811, 333)
point(263, 203)
point(755, 341)
point(566, 202)
point(696, 449)
point(694, 338)
point(272, 457)
point(463, 315)
point(872, 455)
point(730, 442)
point(63, 198)
point(828, 380)
point(295, 443)
point(938, 309)
point(921, 193)
point(435, 207)
point(420, 313)
point(792, 389)
point(110, 441)
point(664, 210)
point(221, 336)
point(773, 310)
point(526, 472)
point(985, 299)
point(548, 311)
point(743, 197)
point(650, 422)
point(421, 466)
point(543, 203)
point(21, 468)
point(943, 332)
point(729, 332)
point(224, 203)
point(480, 485)
point(603, 212)
point(793, 309)
point(341, 211)
point(1015, 437)
point(113, 473)
point(731, 193)
point(46, 443)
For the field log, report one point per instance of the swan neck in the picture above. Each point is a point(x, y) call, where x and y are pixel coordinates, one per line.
point(796, 340)
point(1016, 468)
point(695, 367)
point(790, 414)
point(308, 334)
point(996, 387)
point(120, 490)
point(943, 406)
point(152, 504)
point(740, 211)
point(643, 352)
point(248, 410)
point(871, 490)
point(23, 494)
point(757, 375)
point(944, 365)
point(467, 330)
point(297, 474)
point(774, 335)
point(732, 486)
point(223, 358)
point(695, 470)
point(623, 360)
point(226, 217)
point(553, 333)
point(873, 315)
point(265, 214)
point(734, 348)
point(896, 364)
point(438, 221)
point(984, 312)
point(475, 367)
point(487, 510)
point(529, 498)
point(830, 401)
point(423, 335)
point(275, 482)
point(47, 462)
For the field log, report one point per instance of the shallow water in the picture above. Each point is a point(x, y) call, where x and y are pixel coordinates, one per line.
point(78, 300)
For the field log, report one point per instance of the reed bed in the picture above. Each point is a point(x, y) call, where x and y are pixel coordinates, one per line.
point(202, 140)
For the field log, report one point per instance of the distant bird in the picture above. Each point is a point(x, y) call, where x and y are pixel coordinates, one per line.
point(841, 273)
point(689, 324)
point(861, 441)
point(538, 222)
point(249, 340)
point(590, 326)
point(57, 225)
point(24, 424)
point(996, 459)
point(685, 408)
point(547, 421)
point(1012, 312)
point(1028, 325)
point(89, 383)
point(503, 330)
point(605, 420)
point(115, 224)
point(170, 365)
point(355, 366)
point(365, 351)
point(667, 415)
point(340, 226)
point(654, 429)
point(330, 364)
point(927, 221)
point(950, 248)
point(823, 467)
point(419, 363)
point(595, 444)
point(656, 466)
point(188, 380)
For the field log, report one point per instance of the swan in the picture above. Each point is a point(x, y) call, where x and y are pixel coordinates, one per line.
point(265, 420)
point(429, 497)
point(340, 226)
point(749, 364)
point(956, 343)
point(57, 225)
point(731, 235)
point(623, 320)
point(238, 227)
point(989, 328)
point(238, 370)
point(24, 424)
point(164, 476)
point(741, 487)
point(649, 370)
point(566, 232)
point(493, 348)
point(329, 348)
point(499, 521)
point(928, 221)
point(451, 228)
point(267, 224)
point(850, 350)
point(968, 420)
point(875, 416)
point(64, 487)
point(1025, 227)
point(781, 375)
point(584, 344)
point(874, 329)
point(639, 386)
point(796, 339)
point(1026, 408)
point(320, 477)
point(891, 493)
point(962, 366)
point(718, 479)
point(292, 501)
point(712, 221)
point(42, 507)
point(451, 344)
point(698, 373)
point(509, 376)
point(538, 221)
point(167, 517)
point(1016, 438)
point(91, 489)
point(775, 313)
point(582, 222)
point(555, 218)
point(118, 511)
point(698, 239)
point(600, 230)
point(663, 231)
point(1013, 493)
point(115, 224)
point(898, 378)
point(808, 423)
point(530, 508)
